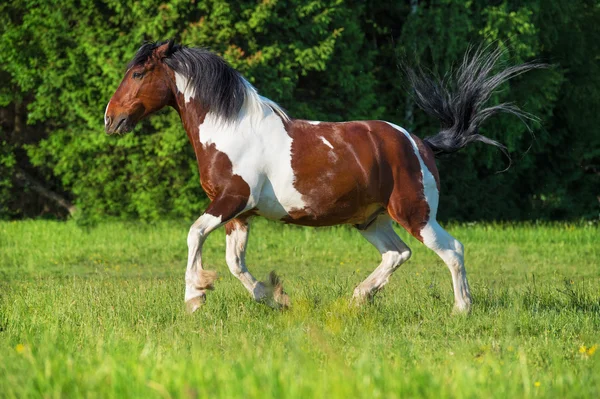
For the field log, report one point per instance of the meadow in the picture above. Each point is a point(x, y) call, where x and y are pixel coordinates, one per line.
point(99, 312)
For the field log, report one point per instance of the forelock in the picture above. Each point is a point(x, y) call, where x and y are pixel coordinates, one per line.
point(145, 52)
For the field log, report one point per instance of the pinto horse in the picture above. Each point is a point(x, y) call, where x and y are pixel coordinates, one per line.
point(256, 160)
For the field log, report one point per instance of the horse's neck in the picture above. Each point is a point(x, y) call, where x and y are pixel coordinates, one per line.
point(240, 135)
point(192, 117)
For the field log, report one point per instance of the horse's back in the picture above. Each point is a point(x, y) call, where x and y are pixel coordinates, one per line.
point(363, 152)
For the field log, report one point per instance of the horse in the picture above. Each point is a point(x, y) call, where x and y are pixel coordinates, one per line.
point(254, 159)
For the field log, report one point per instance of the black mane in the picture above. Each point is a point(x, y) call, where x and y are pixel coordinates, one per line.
point(219, 87)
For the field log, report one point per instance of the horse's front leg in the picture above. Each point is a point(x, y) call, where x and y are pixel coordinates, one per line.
point(198, 280)
point(271, 292)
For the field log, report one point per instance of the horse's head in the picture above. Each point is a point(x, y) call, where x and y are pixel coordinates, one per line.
point(145, 89)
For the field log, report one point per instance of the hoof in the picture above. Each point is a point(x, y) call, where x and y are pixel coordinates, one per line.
point(461, 309)
point(195, 303)
point(360, 297)
point(279, 296)
point(281, 299)
point(272, 293)
point(357, 302)
point(260, 293)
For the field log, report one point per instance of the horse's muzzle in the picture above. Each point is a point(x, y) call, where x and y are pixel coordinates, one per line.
point(120, 124)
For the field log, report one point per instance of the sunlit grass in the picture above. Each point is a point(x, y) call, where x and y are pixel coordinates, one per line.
point(100, 312)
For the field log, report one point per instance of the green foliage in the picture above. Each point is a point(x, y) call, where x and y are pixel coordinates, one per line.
point(7, 162)
point(99, 312)
point(323, 59)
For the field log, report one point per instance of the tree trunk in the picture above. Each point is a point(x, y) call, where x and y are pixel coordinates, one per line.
point(27, 180)
point(410, 103)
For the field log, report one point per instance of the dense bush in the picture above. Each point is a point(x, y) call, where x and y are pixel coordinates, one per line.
point(60, 62)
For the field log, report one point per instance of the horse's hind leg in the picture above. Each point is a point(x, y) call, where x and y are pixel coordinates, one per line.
point(424, 227)
point(237, 238)
point(393, 251)
point(452, 253)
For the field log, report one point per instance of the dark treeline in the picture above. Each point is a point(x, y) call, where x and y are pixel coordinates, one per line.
point(61, 60)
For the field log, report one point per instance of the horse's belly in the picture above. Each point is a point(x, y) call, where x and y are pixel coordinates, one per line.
point(340, 213)
point(286, 206)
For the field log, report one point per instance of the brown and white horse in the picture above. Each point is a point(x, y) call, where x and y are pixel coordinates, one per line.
point(255, 160)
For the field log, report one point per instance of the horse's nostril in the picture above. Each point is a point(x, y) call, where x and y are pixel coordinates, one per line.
point(119, 124)
point(108, 121)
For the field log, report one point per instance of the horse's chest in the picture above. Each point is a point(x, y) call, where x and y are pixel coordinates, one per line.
point(261, 165)
point(217, 174)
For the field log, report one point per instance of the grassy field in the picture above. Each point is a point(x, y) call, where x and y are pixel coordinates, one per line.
point(99, 313)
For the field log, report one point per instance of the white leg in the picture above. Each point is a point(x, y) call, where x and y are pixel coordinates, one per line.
point(452, 253)
point(198, 280)
point(236, 240)
point(393, 251)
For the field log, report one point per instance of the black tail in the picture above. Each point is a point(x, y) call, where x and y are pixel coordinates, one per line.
point(461, 110)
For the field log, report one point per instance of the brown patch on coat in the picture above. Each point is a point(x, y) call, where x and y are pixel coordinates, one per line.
point(236, 224)
point(343, 184)
point(407, 204)
point(216, 174)
point(228, 192)
point(192, 115)
point(371, 167)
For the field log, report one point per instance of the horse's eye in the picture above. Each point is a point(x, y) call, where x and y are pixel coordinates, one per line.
point(138, 75)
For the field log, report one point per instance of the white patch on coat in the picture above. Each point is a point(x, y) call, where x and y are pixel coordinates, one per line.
point(327, 143)
point(314, 122)
point(259, 149)
point(184, 86)
point(105, 113)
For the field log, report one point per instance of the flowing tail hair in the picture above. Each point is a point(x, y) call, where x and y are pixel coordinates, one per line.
point(461, 111)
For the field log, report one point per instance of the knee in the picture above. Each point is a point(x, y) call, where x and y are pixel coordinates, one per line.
point(405, 255)
point(456, 257)
point(459, 248)
point(194, 236)
point(398, 258)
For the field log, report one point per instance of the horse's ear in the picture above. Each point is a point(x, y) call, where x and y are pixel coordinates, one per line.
point(165, 50)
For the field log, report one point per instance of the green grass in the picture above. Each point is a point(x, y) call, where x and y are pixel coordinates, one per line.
point(99, 313)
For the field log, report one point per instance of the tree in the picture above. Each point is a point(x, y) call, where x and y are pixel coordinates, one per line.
point(322, 59)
